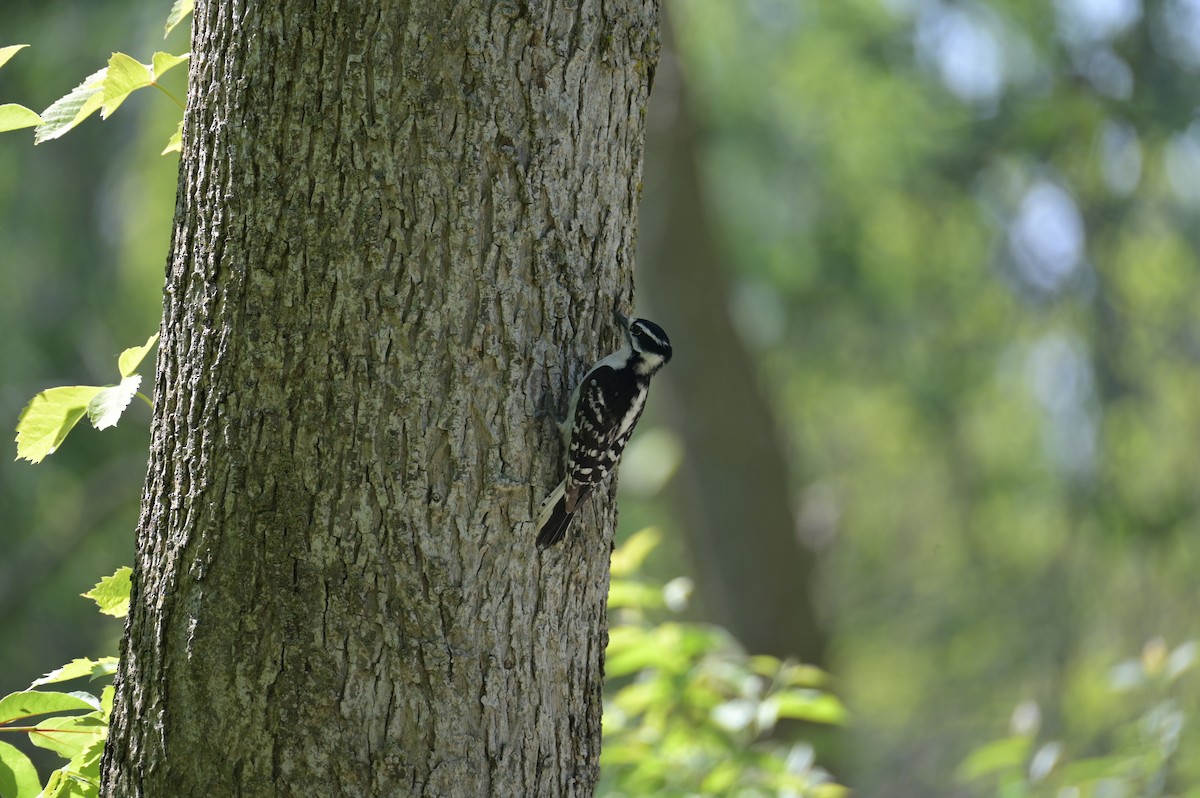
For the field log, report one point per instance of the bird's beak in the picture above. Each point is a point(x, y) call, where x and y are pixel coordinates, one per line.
point(622, 318)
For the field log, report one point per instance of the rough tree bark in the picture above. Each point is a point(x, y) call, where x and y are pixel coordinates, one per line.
point(401, 228)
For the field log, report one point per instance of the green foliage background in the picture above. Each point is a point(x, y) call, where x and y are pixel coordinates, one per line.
point(84, 226)
point(1007, 443)
point(963, 245)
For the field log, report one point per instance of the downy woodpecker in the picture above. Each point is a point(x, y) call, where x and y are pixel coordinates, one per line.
point(602, 413)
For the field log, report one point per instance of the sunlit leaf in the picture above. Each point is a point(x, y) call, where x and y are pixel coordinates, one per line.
point(111, 593)
point(624, 593)
point(49, 417)
point(18, 776)
point(693, 639)
point(15, 117)
point(87, 762)
point(67, 112)
point(106, 407)
point(56, 785)
point(67, 736)
point(8, 51)
point(635, 698)
point(77, 669)
point(721, 778)
point(810, 705)
point(132, 357)
point(796, 674)
point(667, 647)
point(764, 664)
point(31, 703)
point(735, 714)
point(179, 12)
point(161, 63)
point(125, 75)
point(175, 143)
point(91, 700)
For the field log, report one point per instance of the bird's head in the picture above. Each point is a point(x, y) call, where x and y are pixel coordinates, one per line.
point(649, 343)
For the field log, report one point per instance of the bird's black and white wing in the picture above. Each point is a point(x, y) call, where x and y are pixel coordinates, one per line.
point(606, 411)
point(605, 414)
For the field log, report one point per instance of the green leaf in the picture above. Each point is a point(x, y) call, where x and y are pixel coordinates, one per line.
point(15, 117)
point(6, 53)
point(67, 736)
point(810, 705)
point(77, 669)
point(30, 703)
point(179, 12)
point(764, 664)
point(67, 112)
point(111, 593)
point(640, 696)
point(56, 785)
point(106, 407)
point(722, 778)
point(86, 764)
point(630, 649)
point(131, 358)
point(125, 75)
point(995, 757)
point(92, 700)
point(175, 143)
point(79, 789)
point(161, 63)
point(18, 776)
point(49, 417)
point(1096, 768)
point(623, 593)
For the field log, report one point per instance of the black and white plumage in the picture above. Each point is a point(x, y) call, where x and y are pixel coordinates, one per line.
point(604, 409)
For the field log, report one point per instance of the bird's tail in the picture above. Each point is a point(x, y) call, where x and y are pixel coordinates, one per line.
point(554, 519)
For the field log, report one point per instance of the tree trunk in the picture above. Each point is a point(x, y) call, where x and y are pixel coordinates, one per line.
point(401, 229)
point(755, 575)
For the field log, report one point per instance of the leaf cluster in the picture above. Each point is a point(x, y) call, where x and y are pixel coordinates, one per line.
point(52, 414)
point(73, 724)
point(1000, 459)
point(688, 712)
point(1138, 757)
point(104, 90)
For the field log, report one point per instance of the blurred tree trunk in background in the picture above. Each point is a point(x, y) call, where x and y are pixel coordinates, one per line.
point(400, 226)
point(755, 576)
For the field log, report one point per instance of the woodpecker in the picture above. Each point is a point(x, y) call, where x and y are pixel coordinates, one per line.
point(604, 409)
